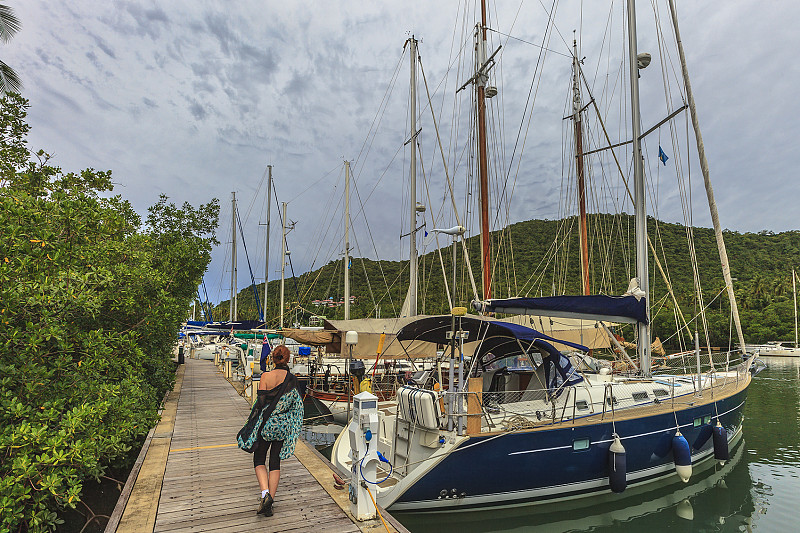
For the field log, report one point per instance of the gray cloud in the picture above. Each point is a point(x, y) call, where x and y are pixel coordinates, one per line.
point(104, 47)
point(198, 110)
point(148, 21)
point(194, 98)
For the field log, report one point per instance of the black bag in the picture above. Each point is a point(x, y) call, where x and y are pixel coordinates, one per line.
point(255, 412)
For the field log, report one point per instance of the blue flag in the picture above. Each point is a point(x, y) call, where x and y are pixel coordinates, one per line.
point(662, 156)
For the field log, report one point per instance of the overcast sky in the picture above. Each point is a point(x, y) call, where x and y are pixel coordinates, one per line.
point(193, 99)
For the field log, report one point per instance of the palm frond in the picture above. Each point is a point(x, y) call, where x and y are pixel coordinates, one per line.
point(9, 23)
point(9, 80)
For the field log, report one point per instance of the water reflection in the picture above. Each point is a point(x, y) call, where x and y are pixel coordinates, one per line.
point(717, 499)
point(773, 437)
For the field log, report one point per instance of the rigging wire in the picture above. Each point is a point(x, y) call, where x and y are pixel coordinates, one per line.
point(528, 42)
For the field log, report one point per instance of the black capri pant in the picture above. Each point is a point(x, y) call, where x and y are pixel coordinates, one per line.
point(260, 453)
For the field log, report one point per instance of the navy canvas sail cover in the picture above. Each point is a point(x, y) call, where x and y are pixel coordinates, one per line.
point(498, 340)
point(629, 309)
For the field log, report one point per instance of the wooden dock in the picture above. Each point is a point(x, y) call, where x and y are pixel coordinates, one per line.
point(192, 477)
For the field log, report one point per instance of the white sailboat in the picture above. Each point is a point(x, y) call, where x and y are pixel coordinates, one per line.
point(520, 424)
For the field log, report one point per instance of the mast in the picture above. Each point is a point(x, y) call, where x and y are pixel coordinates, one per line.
point(283, 258)
point(640, 207)
point(232, 312)
point(576, 117)
point(412, 288)
point(266, 252)
point(794, 297)
point(712, 204)
point(480, 82)
point(347, 240)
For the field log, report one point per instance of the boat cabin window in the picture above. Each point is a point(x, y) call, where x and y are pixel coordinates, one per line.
point(640, 396)
point(512, 364)
point(582, 405)
point(660, 393)
point(707, 419)
point(580, 444)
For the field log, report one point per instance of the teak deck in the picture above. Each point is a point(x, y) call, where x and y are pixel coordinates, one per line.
point(193, 477)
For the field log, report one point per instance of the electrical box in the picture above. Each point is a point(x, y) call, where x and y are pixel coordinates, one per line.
point(363, 433)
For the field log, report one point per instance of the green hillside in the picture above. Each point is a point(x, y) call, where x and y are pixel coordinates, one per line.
point(544, 255)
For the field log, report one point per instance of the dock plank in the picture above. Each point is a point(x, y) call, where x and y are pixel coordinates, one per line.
point(209, 484)
point(194, 478)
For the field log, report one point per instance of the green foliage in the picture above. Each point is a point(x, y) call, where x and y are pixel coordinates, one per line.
point(527, 263)
point(9, 26)
point(90, 302)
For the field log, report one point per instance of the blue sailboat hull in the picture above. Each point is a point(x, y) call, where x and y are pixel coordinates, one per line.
point(549, 464)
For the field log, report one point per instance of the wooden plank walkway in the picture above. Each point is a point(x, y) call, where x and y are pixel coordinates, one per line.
point(209, 484)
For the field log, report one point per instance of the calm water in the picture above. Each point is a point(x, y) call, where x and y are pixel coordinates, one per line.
point(758, 490)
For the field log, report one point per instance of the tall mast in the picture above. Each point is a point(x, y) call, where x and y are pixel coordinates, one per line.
point(347, 240)
point(794, 297)
point(480, 82)
point(712, 204)
point(266, 252)
point(412, 288)
point(283, 258)
point(640, 207)
point(576, 117)
point(232, 312)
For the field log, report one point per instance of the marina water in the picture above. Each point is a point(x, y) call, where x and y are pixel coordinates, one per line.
point(758, 490)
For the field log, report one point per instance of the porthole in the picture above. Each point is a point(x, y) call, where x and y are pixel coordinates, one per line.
point(580, 445)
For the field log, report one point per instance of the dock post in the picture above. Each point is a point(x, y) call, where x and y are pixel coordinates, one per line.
point(254, 388)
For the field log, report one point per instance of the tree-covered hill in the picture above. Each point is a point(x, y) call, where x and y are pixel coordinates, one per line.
point(540, 257)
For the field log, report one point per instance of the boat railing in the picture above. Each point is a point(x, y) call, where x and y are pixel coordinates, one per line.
point(534, 407)
point(686, 362)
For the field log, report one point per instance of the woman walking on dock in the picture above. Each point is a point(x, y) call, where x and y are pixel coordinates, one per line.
point(273, 426)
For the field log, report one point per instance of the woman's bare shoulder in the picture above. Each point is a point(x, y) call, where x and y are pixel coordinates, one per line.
point(271, 379)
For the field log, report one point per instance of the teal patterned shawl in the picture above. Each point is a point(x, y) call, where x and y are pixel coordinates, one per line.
point(283, 424)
